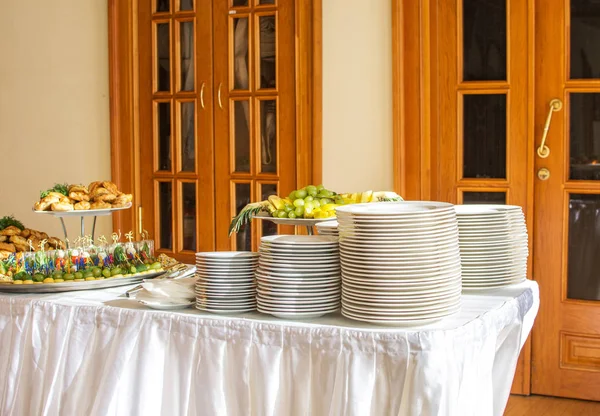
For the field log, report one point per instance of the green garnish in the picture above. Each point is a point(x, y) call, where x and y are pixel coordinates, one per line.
point(10, 220)
point(61, 188)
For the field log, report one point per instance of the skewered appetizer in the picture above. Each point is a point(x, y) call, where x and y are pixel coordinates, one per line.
point(308, 202)
point(98, 195)
point(15, 238)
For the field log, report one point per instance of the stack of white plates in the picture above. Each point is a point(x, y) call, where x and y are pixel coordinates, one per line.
point(493, 245)
point(329, 228)
point(226, 281)
point(298, 276)
point(400, 262)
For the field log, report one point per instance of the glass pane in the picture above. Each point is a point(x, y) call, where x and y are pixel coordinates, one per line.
point(188, 145)
point(266, 2)
point(267, 51)
point(484, 198)
point(165, 213)
point(242, 198)
point(584, 135)
point(163, 54)
point(187, 5)
point(164, 136)
point(268, 132)
point(268, 189)
point(238, 3)
point(162, 5)
point(241, 113)
point(584, 246)
point(484, 136)
point(188, 197)
point(484, 40)
point(240, 51)
point(585, 38)
point(187, 56)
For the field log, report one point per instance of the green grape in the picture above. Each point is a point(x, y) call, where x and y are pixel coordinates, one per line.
point(276, 213)
point(299, 211)
point(324, 193)
point(325, 201)
point(316, 203)
point(308, 198)
point(301, 193)
point(282, 214)
point(288, 207)
point(292, 195)
point(320, 188)
point(308, 206)
point(313, 193)
point(299, 203)
point(291, 214)
point(340, 201)
point(311, 188)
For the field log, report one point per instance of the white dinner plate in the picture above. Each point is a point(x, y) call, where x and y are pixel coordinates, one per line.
point(297, 315)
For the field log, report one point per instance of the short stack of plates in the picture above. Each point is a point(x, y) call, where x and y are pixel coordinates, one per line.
point(493, 245)
point(298, 276)
point(329, 228)
point(400, 262)
point(226, 281)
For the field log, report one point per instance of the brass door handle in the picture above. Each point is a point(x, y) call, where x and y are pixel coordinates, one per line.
point(202, 95)
point(219, 96)
point(555, 105)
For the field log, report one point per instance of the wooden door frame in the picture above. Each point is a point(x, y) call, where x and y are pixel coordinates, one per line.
point(416, 137)
point(123, 88)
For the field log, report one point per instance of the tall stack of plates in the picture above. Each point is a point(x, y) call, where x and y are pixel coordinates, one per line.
point(329, 228)
point(493, 245)
point(400, 262)
point(298, 276)
point(226, 281)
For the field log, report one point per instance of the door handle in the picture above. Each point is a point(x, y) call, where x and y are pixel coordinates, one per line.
point(219, 96)
point(202, 95)
point(555, 105)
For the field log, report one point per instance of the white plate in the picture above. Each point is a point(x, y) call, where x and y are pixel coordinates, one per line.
point(298, 240)
point(297, 315)
point(292, 308)
point(298, 268)
point(297, 293)
point(226, 311)
point(227, 255)
point(299, 253)
point(401, 310)
point(165, 305)
point(297, 275)
point(298, 280)
point(397, 294)
point(308, 222)
point(420, 283)
point(303, 286)
point(395, 321)
point(299, 302)
point(394, 208)
point(302, 262)
point(395, 257)
point(84, 213)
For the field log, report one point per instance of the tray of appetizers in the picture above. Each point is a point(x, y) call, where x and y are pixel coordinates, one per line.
point(97, 198)
point(28, 286)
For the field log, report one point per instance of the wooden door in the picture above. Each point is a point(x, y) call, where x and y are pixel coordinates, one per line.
point(176, 127)
point(566, 338)
point(480, 146)
point(254, 94)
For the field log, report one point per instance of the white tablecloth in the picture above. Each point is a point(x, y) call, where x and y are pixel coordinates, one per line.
point(92, 353)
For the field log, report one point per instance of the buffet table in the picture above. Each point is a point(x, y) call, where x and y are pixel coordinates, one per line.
point(96, 353)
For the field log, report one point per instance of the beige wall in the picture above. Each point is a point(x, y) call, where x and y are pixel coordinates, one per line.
point(54, 121)
point(357, 95)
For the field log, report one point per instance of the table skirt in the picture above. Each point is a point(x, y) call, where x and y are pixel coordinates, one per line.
point(78, 355)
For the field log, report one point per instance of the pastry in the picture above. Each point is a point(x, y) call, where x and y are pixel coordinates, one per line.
point(10, 230)
point(100, 205)
point(7, 247)
point(99, 192)
point(61, 206)
point(79, 196)
point(17, 239)
point(78, 189)
point(93, 186)
point(26, 233)
point(106, 198)
point(82, 206)
point(111, 187)
point(3, 238)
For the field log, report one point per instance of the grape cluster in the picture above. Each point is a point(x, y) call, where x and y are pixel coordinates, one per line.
point(309, 202)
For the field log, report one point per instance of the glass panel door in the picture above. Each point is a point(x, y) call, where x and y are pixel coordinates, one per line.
point(176, 148)
point(255, 117)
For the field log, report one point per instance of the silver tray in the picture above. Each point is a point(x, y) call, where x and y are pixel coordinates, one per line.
point(87, 285)
point(308, 222)
point(83, 213)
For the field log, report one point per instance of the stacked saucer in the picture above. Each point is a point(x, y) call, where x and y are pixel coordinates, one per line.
point(400, 262)
point(329, 228)
point(493, 245)
point(298, 276)
point(226, 281)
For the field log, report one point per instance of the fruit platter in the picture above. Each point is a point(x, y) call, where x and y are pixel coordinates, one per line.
point(83, 266)
point(305, 206)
